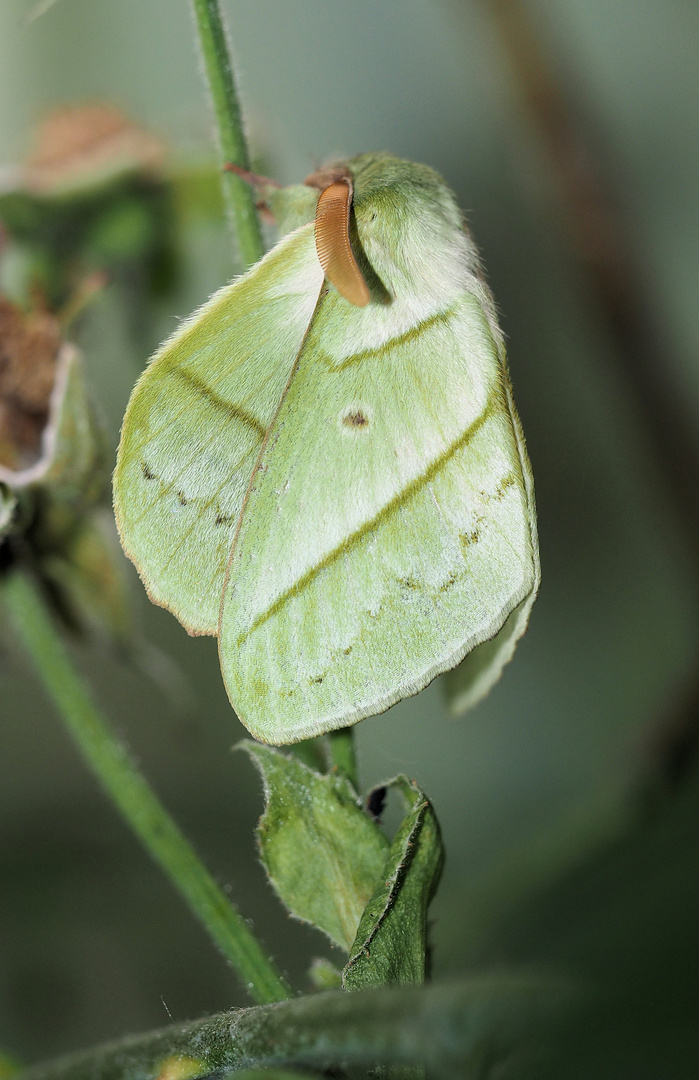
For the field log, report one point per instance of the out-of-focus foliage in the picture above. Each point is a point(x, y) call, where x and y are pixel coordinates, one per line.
point(90, 197)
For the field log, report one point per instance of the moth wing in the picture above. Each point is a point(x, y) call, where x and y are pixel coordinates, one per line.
point(389, 529)
point(471, 680)
point(195, 424)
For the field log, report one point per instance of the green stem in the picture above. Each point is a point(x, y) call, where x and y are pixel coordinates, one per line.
point(458, 1029)
point(343, 756)
point(238, 196)
point(132, 795)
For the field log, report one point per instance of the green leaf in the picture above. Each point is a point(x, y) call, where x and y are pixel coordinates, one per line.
point(9, 1066)
point(322, 853)
point(75, 458)
point(22, 215)
point(124, 232)
point(391, 942)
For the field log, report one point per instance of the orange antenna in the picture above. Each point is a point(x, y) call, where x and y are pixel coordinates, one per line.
point(333, 243)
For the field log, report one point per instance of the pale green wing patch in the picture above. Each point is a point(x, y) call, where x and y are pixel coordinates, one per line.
point(387, 533)
point(472, 679)
point(195, 424)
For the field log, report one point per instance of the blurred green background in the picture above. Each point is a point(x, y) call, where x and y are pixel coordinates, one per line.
point(550, 861)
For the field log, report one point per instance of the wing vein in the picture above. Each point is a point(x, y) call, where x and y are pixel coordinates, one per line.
point(234, 412)
point(386, 511)
point(424, 326)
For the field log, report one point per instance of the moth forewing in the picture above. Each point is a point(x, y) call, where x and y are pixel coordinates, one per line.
point(195, 423)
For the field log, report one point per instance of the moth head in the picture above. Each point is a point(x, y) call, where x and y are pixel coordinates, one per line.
point(408, 223)
point(385, 227)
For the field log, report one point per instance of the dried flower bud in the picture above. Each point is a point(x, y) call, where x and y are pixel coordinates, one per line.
point(48, 433)
point(82, 146)
point(92, 195)
point(29, 348)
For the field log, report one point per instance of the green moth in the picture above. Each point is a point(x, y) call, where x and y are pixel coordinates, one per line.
point(324, 465)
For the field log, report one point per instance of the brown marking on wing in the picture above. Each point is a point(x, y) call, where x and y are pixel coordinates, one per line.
point(355, 418)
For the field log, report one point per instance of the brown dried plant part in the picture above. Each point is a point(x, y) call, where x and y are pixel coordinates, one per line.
point(261, 184)
point(29, 346)
point(80, 144)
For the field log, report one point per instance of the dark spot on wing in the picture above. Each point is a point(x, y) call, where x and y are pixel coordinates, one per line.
point(469, 538)
point(183, 498)
point(147, 474)
point(451, 580)
point(505, 483)
point(223, 519)
point(318, 679)
point(355, 419)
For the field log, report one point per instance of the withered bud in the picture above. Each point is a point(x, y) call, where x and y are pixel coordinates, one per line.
point(79, 145)
point(29, 347)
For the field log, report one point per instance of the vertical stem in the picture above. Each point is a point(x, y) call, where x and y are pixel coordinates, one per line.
point(237, 195)
point(131, 793)
point(343, 756)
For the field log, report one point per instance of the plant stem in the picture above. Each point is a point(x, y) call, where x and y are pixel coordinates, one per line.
point(131, 793)
point(343, 756)
point(454, 1028)
point(237, 195)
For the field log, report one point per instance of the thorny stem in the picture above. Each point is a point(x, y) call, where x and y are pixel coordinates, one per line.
point(131, 793)
point(237, 194)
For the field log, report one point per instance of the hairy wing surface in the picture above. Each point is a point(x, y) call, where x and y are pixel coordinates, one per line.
point(386, 532)
point(196, 422)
